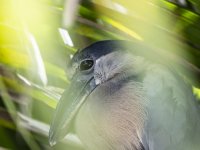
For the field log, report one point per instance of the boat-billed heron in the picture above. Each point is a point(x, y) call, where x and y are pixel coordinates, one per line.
point(121, 100)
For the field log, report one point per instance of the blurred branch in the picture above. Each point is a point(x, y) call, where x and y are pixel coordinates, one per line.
point(43, 129)
point(6, 120)
point(69, 12)
point(11, 108)
point(114, 33)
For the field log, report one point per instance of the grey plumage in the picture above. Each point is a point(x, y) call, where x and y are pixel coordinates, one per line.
point(127, 102)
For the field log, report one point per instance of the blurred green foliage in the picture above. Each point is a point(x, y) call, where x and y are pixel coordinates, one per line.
point(34, 53)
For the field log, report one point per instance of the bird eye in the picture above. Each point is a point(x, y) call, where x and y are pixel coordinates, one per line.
point(86, 64)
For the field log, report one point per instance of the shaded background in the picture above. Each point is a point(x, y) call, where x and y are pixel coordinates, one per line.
point(38, 37)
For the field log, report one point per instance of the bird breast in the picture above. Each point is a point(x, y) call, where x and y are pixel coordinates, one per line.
point(109, 118)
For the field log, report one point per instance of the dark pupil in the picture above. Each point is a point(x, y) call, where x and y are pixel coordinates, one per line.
point(86, 64)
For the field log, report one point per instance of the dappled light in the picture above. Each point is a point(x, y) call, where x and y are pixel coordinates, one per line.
point(38, 38)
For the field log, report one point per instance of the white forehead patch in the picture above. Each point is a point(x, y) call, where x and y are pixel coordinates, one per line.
point(72, 70)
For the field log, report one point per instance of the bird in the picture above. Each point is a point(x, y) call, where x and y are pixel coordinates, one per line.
point(124, 96)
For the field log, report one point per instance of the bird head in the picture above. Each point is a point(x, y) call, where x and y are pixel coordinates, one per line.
point(105, 101)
